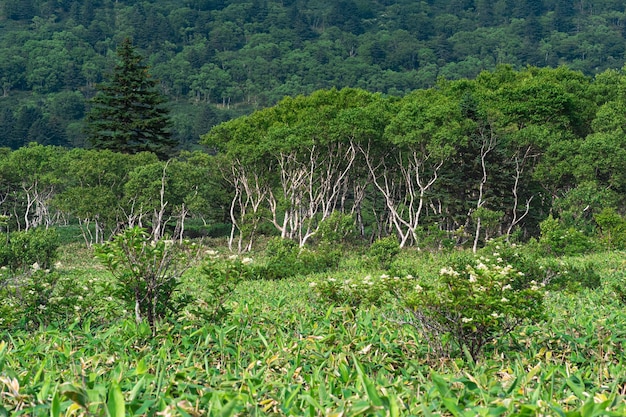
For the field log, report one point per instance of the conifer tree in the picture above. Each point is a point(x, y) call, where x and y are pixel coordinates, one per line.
point(128, 113)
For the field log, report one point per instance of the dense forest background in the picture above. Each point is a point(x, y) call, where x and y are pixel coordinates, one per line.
point(218, 59)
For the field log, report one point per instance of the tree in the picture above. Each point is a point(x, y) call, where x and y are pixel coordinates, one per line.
point(127, 114)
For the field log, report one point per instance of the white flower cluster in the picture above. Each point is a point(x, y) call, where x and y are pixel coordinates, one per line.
point(448, 271)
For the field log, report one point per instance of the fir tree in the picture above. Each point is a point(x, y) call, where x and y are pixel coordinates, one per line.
point(128, 113)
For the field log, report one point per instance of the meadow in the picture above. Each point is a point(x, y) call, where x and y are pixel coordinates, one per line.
point(279, 348)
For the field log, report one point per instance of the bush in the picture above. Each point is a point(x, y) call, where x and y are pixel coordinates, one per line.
point(222, 277)
point(555, 274)
point(21, 250)
point(335, 229)
point(147, 272)
point(286, 259)
point(471, 305)
point(383, 252)
point(558, 240)
point(612, 229)
point(355, 291)
point(27, 281)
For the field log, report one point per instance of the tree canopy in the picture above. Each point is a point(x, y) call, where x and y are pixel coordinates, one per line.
point(238, 56)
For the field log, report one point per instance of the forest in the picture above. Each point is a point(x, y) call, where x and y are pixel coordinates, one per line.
point(318, 208)
point(450, 166)
point(218, 59)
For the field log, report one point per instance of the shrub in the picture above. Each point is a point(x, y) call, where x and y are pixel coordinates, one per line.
point(555, 274)
point(471, 306)
point(618, 285)
point(27, 281)
point(355, 291)
point(558, 240)
point(20, 250)
point(383, 252)
point(286, 259)
point(563, 275)
point(612, 229)
point(335, 229)
point(222, 277)
point(147, 272)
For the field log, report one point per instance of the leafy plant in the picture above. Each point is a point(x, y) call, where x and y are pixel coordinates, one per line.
point(335, 229)
point(555, 274)
point(286, 259)
point(384, 251)
point(612, 228)
point(148, 272)
point(558, 240)
point(221, 278)
point(471, 306)
point(343, 289)
point(19, 251)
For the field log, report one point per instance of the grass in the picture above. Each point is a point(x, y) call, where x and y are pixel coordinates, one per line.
point(282, 352)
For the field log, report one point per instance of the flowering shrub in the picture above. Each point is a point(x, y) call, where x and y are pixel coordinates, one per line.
point(557, 274)
point(469, 305)
point(20, 250)
point(41, 297)
point(472, 305)
point(355, 291)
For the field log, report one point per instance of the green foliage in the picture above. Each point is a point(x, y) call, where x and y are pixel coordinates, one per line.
point(530, 259)
point(612, 228)
point(351, 360)
point(384, 251)
point(558, 240)
point(335, 229)
point(128, 115)
point(618, 285)
point(19, 251)
point(32, 291)
point(221, 278)
point(354, 290)
point(43, 297)
point(284, 258)
point(435, 238)
point(471, 306)
point(147, 273)
point(569, 276)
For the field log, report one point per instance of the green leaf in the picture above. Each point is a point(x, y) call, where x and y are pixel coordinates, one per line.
point(3, 350)
point(55, 407)
point(229, 409)
point(452, 406)
point(74, 393)
point(367, 384)
point(577, 386)
point(141, 367)
point(135, 391)
point(441, 385)
point(115, 401)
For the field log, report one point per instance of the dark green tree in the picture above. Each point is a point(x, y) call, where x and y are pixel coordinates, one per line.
point(128, 113)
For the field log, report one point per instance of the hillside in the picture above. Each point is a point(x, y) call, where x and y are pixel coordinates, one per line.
point(217, 59)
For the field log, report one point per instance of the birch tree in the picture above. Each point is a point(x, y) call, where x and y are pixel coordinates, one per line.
point(424, 134)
